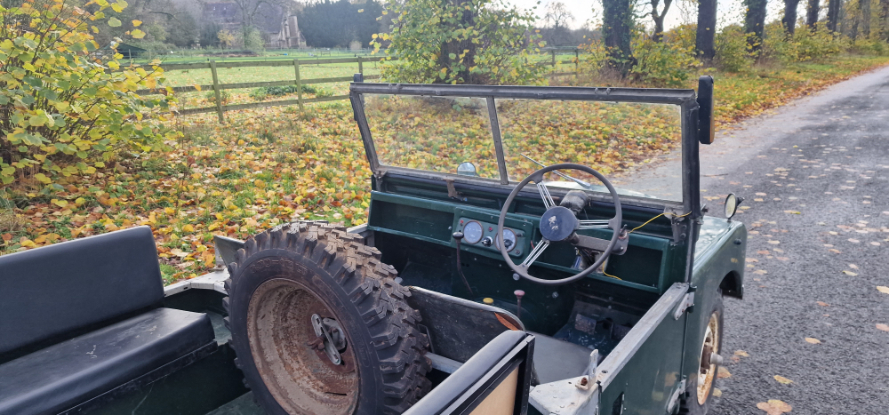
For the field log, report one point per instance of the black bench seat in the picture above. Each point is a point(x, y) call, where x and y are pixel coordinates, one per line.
point(60, 376)
point(82, 322)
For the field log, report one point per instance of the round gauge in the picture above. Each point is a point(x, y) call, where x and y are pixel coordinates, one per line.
point(473, 232)
point(509, 237)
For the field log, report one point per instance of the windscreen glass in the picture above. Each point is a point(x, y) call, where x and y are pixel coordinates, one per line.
point(637, 146)
point(439, 134)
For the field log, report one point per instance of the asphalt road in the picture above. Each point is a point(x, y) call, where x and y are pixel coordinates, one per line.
point(815, 176)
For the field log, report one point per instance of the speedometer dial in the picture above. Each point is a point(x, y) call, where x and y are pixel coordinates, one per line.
point(509, 237)
point(473, 232)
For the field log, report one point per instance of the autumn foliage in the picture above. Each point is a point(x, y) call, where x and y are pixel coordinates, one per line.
point(65, 107)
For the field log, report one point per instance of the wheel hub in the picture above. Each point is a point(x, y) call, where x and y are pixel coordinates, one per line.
point(330, 338)
point(305, 373)
point(709, 347)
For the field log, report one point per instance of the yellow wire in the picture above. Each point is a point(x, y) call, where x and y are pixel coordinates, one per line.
point(612, 276)
point(637, 228)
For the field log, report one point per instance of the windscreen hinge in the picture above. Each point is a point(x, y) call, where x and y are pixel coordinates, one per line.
point(679, 225)
point(452, 191)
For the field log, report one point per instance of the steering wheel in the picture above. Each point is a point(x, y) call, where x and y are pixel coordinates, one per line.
point(559, 223)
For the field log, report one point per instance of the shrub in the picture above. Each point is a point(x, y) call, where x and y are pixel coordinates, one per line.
point(869, 46)
point(732, 49)
point(65, 109)
point(662, 63)
point(262, 93)
point(223, 94)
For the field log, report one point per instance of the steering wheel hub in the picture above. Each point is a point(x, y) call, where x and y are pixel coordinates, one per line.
point(558, 224)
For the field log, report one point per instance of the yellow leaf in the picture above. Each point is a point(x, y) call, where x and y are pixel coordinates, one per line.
point(723, 373)
point(42, 178)
point(882, 289)
point(79, 201)
point(137, 34)
point(774, 407)
point(783, 380)
point(741, 353)
point(197, 87)
point(188, 228)
point(169, 210)
point(27, 243)
point(813, 340)
point(136, 23)
point(60, 203)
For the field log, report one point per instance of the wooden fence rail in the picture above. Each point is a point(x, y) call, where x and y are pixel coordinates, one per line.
point(219, 108)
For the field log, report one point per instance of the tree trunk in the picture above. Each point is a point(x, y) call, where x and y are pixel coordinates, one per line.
point(789, 19)
point(833, 14)
point(864, 7)
point(659, 18)
point(754, 22)
point(706, 32)
point(884, 19)
point(812, 13)
point(616, 31)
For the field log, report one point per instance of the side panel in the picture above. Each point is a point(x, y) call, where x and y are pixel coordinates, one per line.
point(726, 258)
point(650, 377)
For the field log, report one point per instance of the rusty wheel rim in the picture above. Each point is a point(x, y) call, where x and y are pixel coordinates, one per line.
point(707, 373)
point(285, 349)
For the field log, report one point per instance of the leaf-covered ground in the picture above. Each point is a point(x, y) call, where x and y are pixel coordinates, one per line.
point(273, 165)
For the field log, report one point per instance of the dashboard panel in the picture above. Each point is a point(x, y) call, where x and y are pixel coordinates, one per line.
point(436, 220)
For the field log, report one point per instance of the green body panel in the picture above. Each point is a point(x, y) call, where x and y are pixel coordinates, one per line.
point(720, 258)
point(651, 376)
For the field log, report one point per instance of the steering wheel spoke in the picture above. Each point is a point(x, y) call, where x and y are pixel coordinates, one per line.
point(535, 253)
point(594, 224)
point(548, 201)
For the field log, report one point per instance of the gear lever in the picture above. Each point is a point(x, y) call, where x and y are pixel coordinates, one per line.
point(458, 236)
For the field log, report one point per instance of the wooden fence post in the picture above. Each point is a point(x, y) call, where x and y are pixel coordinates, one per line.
point(299, 87)
point(360, 66)
point(576, 62)
point(554, 60)
point(217, 92)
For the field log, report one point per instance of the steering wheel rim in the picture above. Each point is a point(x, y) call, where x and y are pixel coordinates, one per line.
point(615, 223)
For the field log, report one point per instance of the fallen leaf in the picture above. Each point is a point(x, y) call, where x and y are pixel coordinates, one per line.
point(854, 241)
point(723, 373)
point(717, 392)
point(813, 340)
point(853, 266)
point(774, 242)
point(741, 353)
point(881, 326)
point(850, 273)
point(823, 304)
point(882, 289)
point(774, 407)
point(783, 380)
point(760, 272)
point(7, 237)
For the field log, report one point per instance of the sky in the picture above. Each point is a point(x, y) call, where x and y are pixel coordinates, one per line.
point(729, 11)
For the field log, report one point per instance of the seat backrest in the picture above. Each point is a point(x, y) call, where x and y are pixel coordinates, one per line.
point(52, 291)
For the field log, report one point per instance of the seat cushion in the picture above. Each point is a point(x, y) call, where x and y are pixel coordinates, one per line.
point(556, 359)
point(61, 376)
point(55, 292)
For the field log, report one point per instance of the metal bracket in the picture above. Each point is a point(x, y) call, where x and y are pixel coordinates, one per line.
point(674, 399)
point(679, 225)
point(687, 302)
point(330, 344)
point(452, 191)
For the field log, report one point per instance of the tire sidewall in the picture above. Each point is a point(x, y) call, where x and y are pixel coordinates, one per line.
point(692, 406)
point(322, 284)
